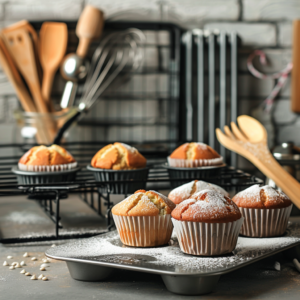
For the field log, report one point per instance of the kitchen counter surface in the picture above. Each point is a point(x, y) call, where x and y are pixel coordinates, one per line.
point(256, 281)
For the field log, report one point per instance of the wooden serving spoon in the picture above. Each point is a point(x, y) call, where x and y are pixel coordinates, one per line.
point(250, 141)
point(53, 46)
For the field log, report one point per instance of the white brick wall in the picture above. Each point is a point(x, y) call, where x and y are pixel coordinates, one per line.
point(252, 34)
point(254, 10)
point(263, 24)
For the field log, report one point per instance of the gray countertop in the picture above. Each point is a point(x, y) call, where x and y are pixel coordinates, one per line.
point(257, 281)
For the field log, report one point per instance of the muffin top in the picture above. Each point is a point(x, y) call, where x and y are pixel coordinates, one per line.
point(207, 206)
point(144, 203)
point(46, 156)
point(261, 197)
point(186, 190)
point(194, 151)
point(118, 156)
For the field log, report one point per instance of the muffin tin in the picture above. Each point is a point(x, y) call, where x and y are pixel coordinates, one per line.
point(116, 176)
point(201, 173)
point(29, 177)
point(96, 258)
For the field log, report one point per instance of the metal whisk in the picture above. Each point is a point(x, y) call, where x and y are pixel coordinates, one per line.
point(118, 52)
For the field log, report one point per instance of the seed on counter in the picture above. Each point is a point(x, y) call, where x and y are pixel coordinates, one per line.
point(25, 254)
point(5, 264)
point(9, 257)
point(14, 263)
point(53, 245)
point(42, 269)
point(18, 265)
point(12, 267)
point(23, 271)
point(44, 265)
point(45, 260)
point(27, 274)
point(33, 258)
point(33, 277)
point(22, 263)
point(41, 277)
point(277, 266)
point(45, 278)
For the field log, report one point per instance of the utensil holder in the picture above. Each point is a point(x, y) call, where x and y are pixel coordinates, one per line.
point(42, 126)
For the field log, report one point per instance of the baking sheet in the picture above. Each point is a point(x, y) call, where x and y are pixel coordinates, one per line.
point(107, 250)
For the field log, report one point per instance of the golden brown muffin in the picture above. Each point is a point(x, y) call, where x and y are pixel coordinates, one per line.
point(143, 203)
point(46, 156)
point(186, 190)
point(118, 156)
point(261, 197)
point(207, 206)
point(194, 151)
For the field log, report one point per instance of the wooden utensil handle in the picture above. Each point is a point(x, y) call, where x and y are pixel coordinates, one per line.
point(83, 47)
point(272, 169)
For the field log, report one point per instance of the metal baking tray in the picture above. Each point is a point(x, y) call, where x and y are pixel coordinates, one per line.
point(96, 258)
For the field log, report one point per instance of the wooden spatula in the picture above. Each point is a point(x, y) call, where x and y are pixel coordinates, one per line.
point(20, 47)
point(53, 46)
point(250, 141)
point(15, 79)
point(35, 40)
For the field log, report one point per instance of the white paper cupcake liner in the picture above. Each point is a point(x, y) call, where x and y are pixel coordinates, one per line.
point(194, 163)
point(54, 168)
point(144, 231)
point(207, 239)
point(265, 222)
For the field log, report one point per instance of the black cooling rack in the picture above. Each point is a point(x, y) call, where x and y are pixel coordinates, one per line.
point(91, 192)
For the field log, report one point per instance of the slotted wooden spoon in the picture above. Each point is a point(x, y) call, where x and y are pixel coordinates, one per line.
point(53, 46)
point(250, 141)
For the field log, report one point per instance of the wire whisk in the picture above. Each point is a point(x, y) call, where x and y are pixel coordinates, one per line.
point(118, 52)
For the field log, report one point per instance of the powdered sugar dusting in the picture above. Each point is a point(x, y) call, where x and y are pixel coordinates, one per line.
point(252, 194)
point(213, 206)
point(183, 191)
point(202, 185)
point(129, 148)
point(107, 248)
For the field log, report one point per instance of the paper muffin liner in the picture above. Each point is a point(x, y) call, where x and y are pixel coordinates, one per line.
point(194, 163)
point(53, 168)
point(144, 231)
point(207, 239)
point(265, 222)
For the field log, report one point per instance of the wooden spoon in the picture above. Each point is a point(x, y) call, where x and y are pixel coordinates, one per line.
point(250, 141)
point(53, 46)
point(88, 28)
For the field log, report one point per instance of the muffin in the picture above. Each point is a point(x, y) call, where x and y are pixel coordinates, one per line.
point(47, 159)
point(118, 156)
point(185, 191)
point(266, 211)
point(120, 162)
point(207, 224)
point(43, 164)
point(192, 155)
point(144, 219)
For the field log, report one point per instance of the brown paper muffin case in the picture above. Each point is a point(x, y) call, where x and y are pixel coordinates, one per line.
point(207, 239)
point(265, 222)
point(194, 163)
point(53, 168)
point(144, 231)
